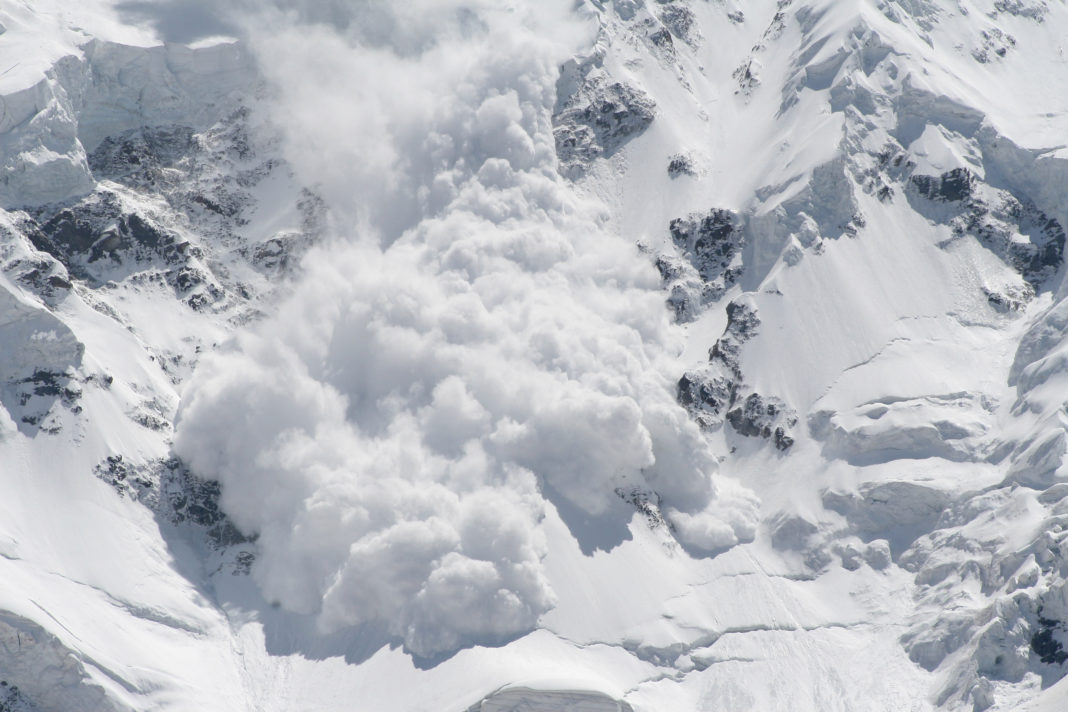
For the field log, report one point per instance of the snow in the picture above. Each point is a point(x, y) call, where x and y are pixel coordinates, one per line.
point(504, 331)
point(453, 425)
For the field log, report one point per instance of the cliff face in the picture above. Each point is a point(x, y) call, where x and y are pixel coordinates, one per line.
point(146, 215)
point(631, 355)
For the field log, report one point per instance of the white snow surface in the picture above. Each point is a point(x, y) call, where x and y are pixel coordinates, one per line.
point(324, 255)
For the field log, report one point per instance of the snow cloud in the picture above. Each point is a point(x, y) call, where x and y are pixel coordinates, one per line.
point(469, 340)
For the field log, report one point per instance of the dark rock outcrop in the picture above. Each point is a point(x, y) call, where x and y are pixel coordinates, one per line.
point(597, 120)
point(758, 416)
point(681, 165)
point(716, 392)
point(1011, 227)
point(707, 261)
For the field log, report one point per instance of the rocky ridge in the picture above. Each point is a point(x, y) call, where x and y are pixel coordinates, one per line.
point(144, 226)
point(902, 145)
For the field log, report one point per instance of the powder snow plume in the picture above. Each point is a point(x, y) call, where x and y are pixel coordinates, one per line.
point(471, 345)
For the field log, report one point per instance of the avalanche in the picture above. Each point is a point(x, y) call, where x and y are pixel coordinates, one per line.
point(495, 355)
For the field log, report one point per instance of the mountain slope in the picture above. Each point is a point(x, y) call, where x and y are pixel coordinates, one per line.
point(648, 355)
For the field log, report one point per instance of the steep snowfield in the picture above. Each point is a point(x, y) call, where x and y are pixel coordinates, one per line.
point(631, 355)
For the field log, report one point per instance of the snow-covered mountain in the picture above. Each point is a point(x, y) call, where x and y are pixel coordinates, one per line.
point(493, 355)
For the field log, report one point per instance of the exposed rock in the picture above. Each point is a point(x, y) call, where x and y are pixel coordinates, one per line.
point(764, 417)
point(1012, 228)
point(108, 89)
point(952, 186)
point(712, 243)
point(706, 262)
point(715, 391)
point(1011, 298)
point(141, 156)
point(12, 699)
point(100, 238)
point(122, 476)
point(681, 164)
point(647, 503)
point(179, 497)
point(1033, 9)
point(41, 274)
point(659, 37)
point(279, 255)
point(185, 498)
point(682, 23)
point(1046, 641)
point(37, 396)
point(710, 391)
point(597, 120)
point(688, 293)
point(742, 325)
point(39, 357)
point(994, 44)
point(706, 394)
point(1017, 628)
point(747, 75)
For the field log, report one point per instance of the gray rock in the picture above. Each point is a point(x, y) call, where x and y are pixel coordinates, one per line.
point(997, 219)
point(682, 23)
point(706, 394)
point(681, 165)
point(765, 417)
point(598, 119)
point(712, 243)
